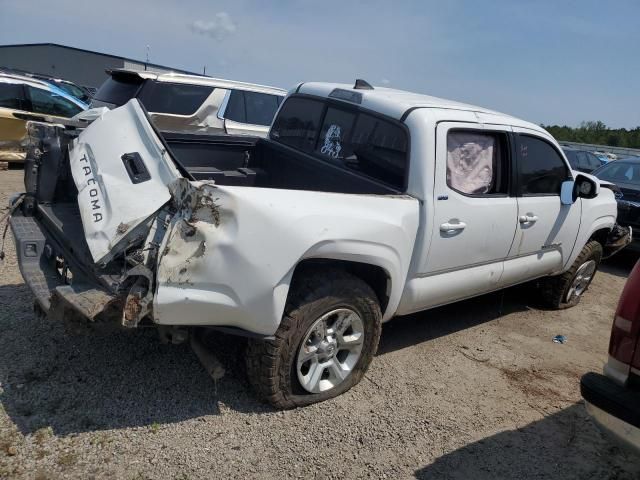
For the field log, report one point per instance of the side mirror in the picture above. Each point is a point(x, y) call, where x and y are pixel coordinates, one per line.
point(566, 192)
point(583, 187)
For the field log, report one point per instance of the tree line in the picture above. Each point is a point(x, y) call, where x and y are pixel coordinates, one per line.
point(598, 133)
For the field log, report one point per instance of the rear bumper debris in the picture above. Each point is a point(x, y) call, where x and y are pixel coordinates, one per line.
point(45, 274)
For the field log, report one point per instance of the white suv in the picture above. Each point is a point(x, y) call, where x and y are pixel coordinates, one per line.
point(193, 103)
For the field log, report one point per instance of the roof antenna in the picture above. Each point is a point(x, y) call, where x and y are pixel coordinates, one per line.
point(362, 85)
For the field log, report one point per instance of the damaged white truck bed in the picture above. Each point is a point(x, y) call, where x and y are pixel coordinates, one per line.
point(361, 205)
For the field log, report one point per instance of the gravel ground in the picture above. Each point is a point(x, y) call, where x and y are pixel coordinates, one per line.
point(473, 390)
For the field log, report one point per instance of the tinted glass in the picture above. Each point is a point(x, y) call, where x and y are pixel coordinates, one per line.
point(572, 157)
point(381, 148)
point(118, 91)
point(335, 135)
point(583, 161)
point(46, 102)
point(235, 107)
point(173, 98)
point(594, 162)
point(364, 143)
point(477, 162)
point(11, 96)
point(298, 123)
point(73, 90)
point(541, 168)
point(260, 108)
point(620, 172)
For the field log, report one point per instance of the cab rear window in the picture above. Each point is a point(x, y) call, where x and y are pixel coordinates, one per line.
point(352, 139)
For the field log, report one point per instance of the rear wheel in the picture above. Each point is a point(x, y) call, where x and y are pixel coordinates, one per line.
point(324, 345)
point(566, 290)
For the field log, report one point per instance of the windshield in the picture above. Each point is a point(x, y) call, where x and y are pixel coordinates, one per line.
point(620, 172)
point(74, 90)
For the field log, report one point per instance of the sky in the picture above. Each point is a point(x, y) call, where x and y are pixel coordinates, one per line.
point(551, 62)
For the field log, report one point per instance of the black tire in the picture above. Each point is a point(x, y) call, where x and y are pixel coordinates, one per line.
point(554, 290)
point(271, 364)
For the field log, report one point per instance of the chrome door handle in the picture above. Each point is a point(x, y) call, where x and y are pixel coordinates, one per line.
point(528, 218)
point(452, 227)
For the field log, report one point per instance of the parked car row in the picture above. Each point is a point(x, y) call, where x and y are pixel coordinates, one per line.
point(582, 161)
point(192, 103)
point(176, 103)
point(21, 95)
point(82, 93)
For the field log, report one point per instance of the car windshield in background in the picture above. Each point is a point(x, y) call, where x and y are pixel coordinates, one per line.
point(50, 103)
point(350, 139)
point(73, 90)
point(620, 172)
point(116, 91)
point(572, 157)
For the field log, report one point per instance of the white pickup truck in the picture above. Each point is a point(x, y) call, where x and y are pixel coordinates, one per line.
point(362, 204)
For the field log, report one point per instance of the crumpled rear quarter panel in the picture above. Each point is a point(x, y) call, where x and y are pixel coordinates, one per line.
point(229, 260)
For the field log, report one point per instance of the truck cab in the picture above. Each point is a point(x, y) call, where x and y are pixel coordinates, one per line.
point(362, 204)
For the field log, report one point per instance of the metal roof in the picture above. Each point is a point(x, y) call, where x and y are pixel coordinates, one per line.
point(398, 103)
point(97, 53)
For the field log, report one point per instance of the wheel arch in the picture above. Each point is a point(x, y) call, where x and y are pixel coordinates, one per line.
point(600, 235)
point(378, 278)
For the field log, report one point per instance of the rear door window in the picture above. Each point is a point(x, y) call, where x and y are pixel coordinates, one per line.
point(298, 123)
point(477, 162)
point(12, 96)
point(235, 107)
point(173, 98)
point(260, 108)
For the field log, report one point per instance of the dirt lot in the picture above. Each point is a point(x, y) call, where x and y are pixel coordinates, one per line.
point(473, 390)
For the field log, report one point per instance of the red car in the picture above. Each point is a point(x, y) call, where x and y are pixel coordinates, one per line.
point(613, 399)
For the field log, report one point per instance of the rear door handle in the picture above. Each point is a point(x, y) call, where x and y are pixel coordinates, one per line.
point(452, 227)
point(528, 218)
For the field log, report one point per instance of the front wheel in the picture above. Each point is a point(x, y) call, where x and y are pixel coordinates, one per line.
point(324, 345)
point(566, 290)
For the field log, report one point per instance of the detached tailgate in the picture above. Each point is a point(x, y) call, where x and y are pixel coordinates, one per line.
point(122, 171)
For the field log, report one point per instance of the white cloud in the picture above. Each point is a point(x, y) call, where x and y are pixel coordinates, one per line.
point(385, 81)
point(220, 27)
